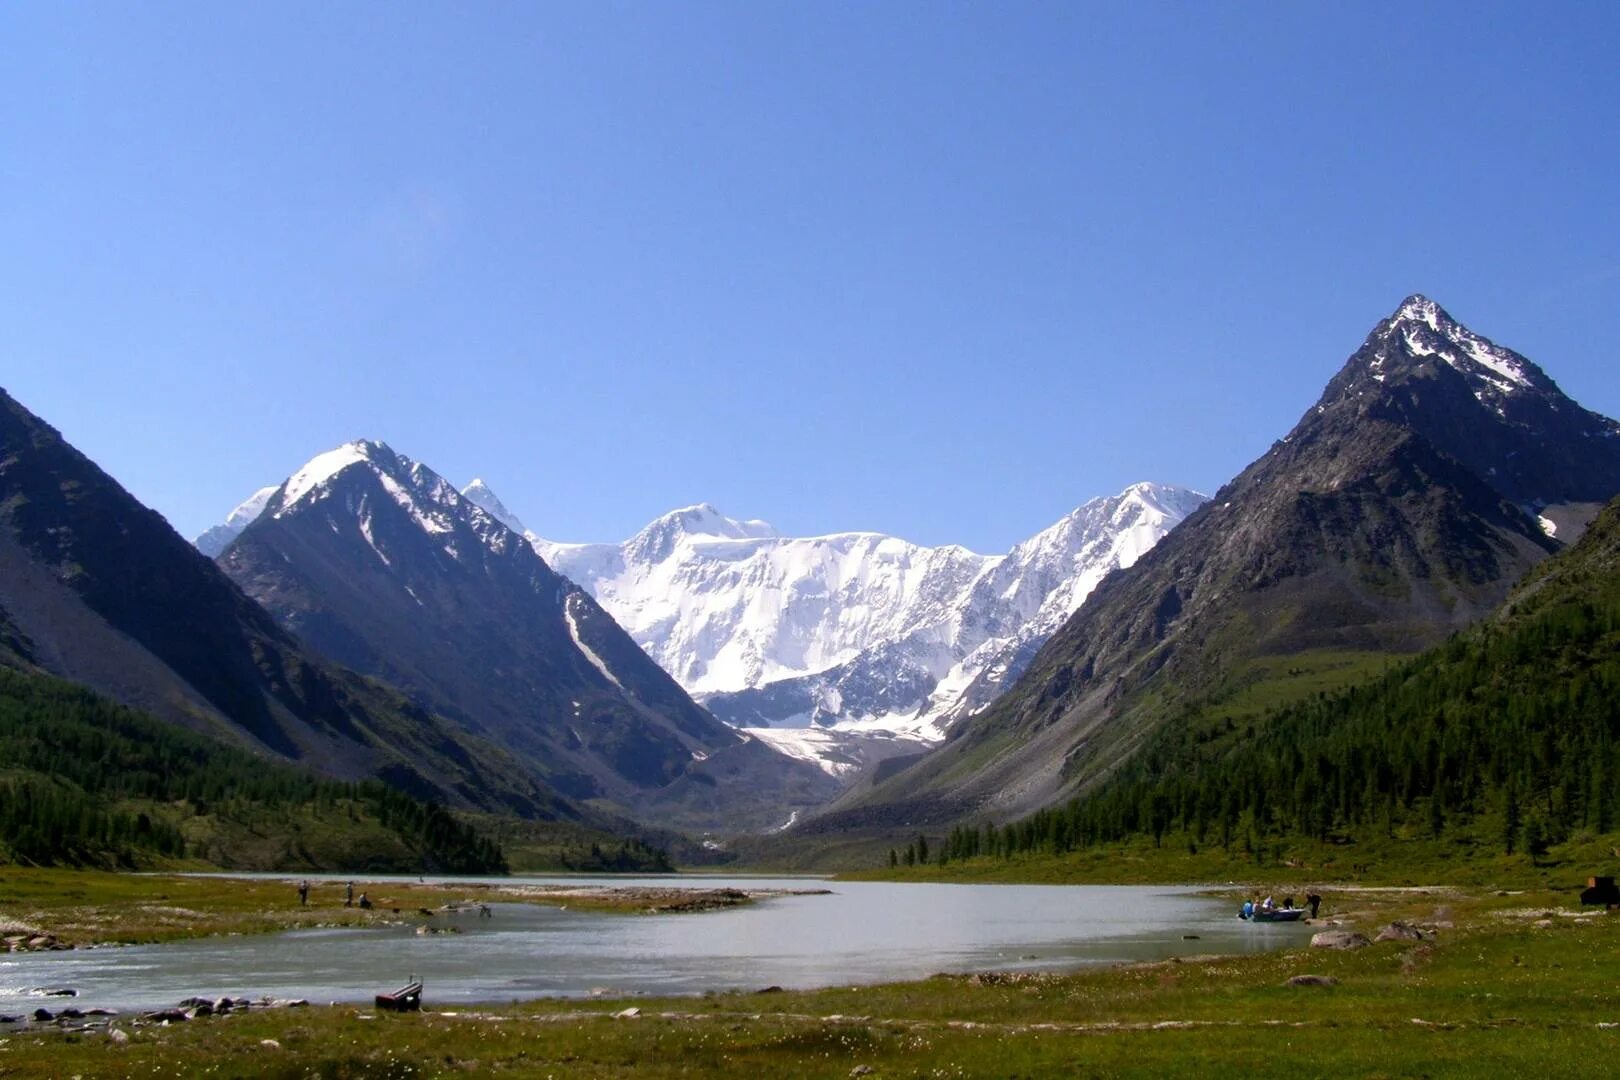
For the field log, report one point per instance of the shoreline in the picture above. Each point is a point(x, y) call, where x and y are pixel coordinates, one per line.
point(1487, 981)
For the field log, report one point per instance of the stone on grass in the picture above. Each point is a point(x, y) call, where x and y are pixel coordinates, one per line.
point(628, 1014)
point(1399, 931)
point(1338, 939)
point(118, 1035)
point(1312, 980)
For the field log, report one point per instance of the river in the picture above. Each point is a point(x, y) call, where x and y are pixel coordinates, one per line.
point(862, 932)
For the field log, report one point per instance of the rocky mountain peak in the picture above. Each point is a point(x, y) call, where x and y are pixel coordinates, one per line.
point(1478, 402)
point(1421, 335)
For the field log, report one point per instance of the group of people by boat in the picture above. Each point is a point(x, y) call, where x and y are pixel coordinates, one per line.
point(1268, 910)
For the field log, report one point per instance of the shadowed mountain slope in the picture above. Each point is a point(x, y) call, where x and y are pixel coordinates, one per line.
point(97, 589)
point(380, 564)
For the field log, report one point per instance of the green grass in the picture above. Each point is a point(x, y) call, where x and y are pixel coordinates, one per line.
point(1264, 685)
point(1495, 995)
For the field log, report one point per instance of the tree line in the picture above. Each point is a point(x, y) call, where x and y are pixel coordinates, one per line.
point(73, 767)
point(1510, 728)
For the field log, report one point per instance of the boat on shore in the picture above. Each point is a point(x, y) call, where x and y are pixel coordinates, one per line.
point(1274, 915)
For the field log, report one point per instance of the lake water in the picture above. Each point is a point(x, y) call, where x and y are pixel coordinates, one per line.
point(863, 932)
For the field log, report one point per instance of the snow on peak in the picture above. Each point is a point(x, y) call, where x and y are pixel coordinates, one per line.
point(246, 512)
point(700, 523)
point(480, 495)
point(323, 467)
point(1419, 308)
point(1422, 328)
point(703, 519)
point(218, 537)
point(727, 606)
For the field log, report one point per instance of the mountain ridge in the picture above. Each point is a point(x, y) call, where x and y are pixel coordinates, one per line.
point(379, 563)
point(1371, 528)
point(97, 589)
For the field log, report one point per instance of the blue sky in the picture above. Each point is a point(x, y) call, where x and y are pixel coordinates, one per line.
point(940, 270)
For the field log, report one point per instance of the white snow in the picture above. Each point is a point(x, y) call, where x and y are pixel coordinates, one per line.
point(249, 510)
point(725, 605)
point(320, 469)
point(1548, 526)
point(365, 531)
point(1426, 332)
point(430, 517)
point(1497, 360)
point(573, 632)
point(806, 744)
point(480, 495)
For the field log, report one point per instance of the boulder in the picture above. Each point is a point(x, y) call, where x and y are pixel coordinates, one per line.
point(1312, 980)
point(43, 1016)
point(1338, 939)
point(166, 1016)
point(118, 1035)
point(1399, 931)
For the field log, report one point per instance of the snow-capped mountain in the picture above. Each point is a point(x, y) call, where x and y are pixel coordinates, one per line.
point(379, 563)
point(480, 495)
point(860, 633)
point(1400, 508)
point(219, 537)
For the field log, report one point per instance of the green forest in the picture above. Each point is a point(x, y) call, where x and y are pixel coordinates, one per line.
point(1508, 730)
point(84, 781)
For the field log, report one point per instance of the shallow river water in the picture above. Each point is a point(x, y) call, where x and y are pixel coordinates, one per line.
point(863, 932)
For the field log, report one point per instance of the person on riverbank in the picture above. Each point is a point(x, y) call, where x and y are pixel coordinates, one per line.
point(365, 902)
point(1314, 901)
point(303, 893)
point(348, 896)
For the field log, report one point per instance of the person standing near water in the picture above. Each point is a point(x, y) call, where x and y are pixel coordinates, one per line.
point(348, 897)
point(303, 893)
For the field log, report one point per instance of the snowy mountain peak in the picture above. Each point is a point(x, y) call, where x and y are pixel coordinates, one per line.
point(699, 522)
point(251, 508)
point(218, 537)
point(1166, 499)
point(321, 468)
point(1421, 328)
point(480, 495)
point(1419, 308)
point(857, 632)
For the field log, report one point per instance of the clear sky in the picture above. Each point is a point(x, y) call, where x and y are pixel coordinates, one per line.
point(940, 270)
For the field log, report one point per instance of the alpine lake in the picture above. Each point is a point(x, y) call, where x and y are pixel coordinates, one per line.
point(805, 934)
